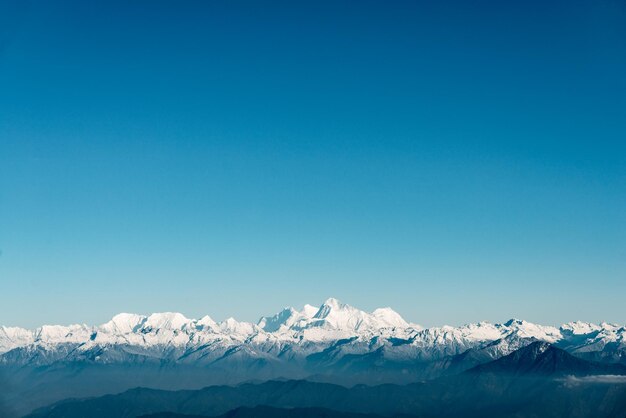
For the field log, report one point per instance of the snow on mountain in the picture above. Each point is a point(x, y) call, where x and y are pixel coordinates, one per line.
point(389, 318)
point(339, 316)
point(332, 320)
point(123, 323)
point(309, 311)
point(321, 335)
point(526, 329)
point(583, 328)
point(12, 337)
point(287, 319)
point(166, 320)
point(52, 334)
point(206, 322)
point(604, 342)
point(232, 326)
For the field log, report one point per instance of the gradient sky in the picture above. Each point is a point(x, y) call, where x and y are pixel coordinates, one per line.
point(458, 161)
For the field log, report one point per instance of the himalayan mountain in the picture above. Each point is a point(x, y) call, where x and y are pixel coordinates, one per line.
point(331, 344)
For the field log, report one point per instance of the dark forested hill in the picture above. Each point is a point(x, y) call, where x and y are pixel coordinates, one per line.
point(538, 380)
point(270, 412)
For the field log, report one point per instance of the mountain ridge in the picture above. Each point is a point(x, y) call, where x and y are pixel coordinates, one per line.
point(489, 390)
point(172, 352)
point(332, 316)
point(292, 335)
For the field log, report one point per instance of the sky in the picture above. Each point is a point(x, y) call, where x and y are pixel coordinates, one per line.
point(457, 161)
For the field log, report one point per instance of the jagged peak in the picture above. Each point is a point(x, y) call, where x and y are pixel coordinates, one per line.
point(206, 321)
point(333, 319)
point(336, 315)
point(288, 318)
point(329, 305)
point(514, 321)
point(275, 322)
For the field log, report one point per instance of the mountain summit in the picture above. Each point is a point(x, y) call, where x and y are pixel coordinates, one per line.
point(332, 315)
point(336, 315)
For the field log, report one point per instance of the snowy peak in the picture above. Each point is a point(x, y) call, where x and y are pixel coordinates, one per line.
point(166, 320)
point(333, 308)
point(206, 323)
point(389, 317)
point(123, 323)
point(482, 331)
point(232, 326)
point(524, 329)
point(332, 315)
point(288, 319)
point(336, 315)
point(273, 323)
point(309, 311)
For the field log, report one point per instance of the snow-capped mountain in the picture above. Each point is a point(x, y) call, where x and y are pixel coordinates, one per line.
point(333, 335)
point(333, 342)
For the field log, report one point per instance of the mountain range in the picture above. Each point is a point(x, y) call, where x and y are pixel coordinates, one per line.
point(333, 343)
point(293, 334)
point(535, 380)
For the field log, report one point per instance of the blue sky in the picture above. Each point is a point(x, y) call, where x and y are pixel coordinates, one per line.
point(456, 162)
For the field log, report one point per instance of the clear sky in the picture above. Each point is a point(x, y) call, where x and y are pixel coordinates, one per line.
point(458, 161)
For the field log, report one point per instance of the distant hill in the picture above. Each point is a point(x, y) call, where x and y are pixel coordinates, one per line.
point(269, 412)
point(538, 380)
